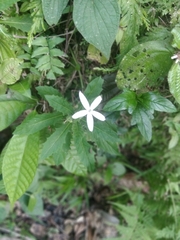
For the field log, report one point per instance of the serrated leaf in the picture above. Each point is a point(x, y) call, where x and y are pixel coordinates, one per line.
point(23, 22)
point(40, 51)
point(53, 9)
point(40, 41)
point(60, 155)
point(176, 34)
point(94, 88)
point(10, 71)
point(22, 87)
point(73, 163)
point(9, 112)
point(36, 122)
point(98, 22)
point(174, 81)
point(106, 138)
point(55, 141)
point(6, 4)
point(60, 104)
point(47, 90)
point(160, 103)
point(144, 65)
point(125, 100)
point(141, 118)
point(82, 146)
point(19, 164)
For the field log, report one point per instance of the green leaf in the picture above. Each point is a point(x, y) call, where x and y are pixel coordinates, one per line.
point(23, 22)
point(125, 100)
point(144, 65)
point(6, 4)
point(10, 70)
point(53, 9)
point(176, 34)
point(98, 22)
point(141, 118)
point(36, 122)
point(94, 88)
point(160, 103)
point(82, 146)
point(47, 90)
point(55, 141)
point(105, 136)
point(73, 163)
point(60, 155)
point(174, 81)
point(19, 164)
point(9, 112)
point(60, 104)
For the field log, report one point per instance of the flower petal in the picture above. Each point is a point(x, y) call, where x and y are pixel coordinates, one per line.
point(79, 114)
point(84, 100)
point(98, 116)
point(174, 56)
point(96, 102)
point(90, 122)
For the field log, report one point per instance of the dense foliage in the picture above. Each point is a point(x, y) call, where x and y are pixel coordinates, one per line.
point(125, 51)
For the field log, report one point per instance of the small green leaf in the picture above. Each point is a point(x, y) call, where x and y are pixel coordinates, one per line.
point(55, 141)
point(19, 164)
point(117, 169)
point(36, 122)
point(98, 22)
point(174, 81)
point(53, 9)
point(9, 112)
point(125, 100)
point(47, 90)
point(73, 163)
point(160, 103)
point(94, 88)
point(60, 104)
point(82, 146)
point(141, 118)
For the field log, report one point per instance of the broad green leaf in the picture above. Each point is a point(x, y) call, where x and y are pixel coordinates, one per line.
point(6, 4)
point(53, 41)
point(125, 100)
point(98, 22)
point(82, 146)
point(60, 104)
point(94, 88)
point(176, 34)
point(144, 65)
point(36, 122)
point(160, 103)
point(23, 22)
point(106, 138)
point(10, 71)
point(73, 163)
point(141, 118)
point(19, 164)
point(174, 81)
point(9, 112)
point(53, 9)
point(47, 90)
point(55, 141)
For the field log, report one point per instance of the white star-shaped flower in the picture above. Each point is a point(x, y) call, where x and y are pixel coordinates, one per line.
point(89, 111)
